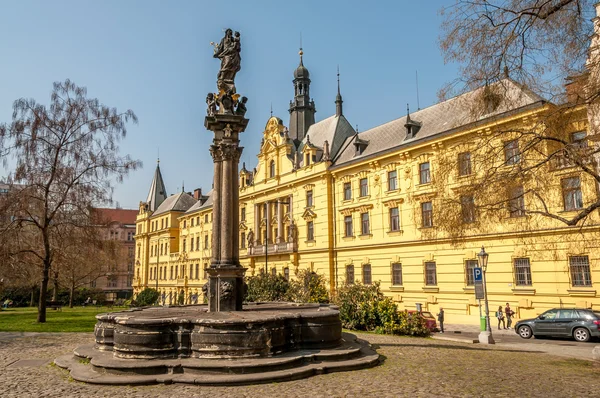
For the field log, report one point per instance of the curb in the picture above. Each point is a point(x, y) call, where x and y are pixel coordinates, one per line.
point(456, 339)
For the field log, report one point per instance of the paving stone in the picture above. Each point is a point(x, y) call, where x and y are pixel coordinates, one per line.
point(413, 367)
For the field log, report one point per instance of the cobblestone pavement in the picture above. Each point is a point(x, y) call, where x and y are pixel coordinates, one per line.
point(412, 367)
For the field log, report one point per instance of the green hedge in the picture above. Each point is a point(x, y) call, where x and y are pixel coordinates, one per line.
point(308, 287)
point(146, 297)
point(364, 307)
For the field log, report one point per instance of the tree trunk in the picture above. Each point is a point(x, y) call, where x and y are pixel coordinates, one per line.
point(71, 292)
point(43, 292)
point(55, 287)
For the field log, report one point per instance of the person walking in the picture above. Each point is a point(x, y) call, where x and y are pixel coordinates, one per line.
point(500, 316)
point(509, 314)
point(440, 317)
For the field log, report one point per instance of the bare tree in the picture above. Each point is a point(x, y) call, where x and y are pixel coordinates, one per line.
point(67, 156)
point(519, 169)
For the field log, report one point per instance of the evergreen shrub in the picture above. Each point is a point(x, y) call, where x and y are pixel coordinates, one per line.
point(146, 297)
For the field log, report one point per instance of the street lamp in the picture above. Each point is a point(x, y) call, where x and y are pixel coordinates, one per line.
point(485, 337)
point(267, 234)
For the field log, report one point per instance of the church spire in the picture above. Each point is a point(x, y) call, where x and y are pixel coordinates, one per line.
point(302, 108)
point(338, 97)
point(158, 192)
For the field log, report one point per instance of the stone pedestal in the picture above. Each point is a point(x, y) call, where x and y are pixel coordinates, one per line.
point(225, 275)
point(485, 337)
point(225, 288)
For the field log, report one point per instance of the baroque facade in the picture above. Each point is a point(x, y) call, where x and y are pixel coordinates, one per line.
point(371, 206)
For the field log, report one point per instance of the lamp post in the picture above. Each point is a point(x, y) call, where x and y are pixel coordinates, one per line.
point(485, 337)
point(267, 233)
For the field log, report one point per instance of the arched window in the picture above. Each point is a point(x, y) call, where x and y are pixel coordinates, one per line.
point(272, 169)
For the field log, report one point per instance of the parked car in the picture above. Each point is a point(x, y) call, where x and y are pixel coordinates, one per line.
point(579, 323)
point(429, 319)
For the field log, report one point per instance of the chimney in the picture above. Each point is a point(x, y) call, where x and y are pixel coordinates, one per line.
point(198, 193)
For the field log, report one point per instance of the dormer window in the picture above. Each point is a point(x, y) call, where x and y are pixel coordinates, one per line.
point(412, 127)
point(272, 169)
point(360, 146)
point(307, 159)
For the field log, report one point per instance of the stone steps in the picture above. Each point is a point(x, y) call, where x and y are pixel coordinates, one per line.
point(103, 368)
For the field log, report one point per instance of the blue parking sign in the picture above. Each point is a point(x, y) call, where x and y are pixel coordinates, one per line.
point(477, 275)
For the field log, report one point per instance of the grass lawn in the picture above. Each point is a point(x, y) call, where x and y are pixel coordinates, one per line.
point(77, 319)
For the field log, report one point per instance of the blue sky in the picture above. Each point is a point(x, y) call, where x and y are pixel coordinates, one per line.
point(154, 57)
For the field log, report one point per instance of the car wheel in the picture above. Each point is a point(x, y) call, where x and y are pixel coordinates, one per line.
point(525, 331)
point(581, 334)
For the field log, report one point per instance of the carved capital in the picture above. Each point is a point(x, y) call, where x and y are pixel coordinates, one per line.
point(230, 151)
point(216, 152)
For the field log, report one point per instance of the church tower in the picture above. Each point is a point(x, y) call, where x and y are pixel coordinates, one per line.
point(158, 192)
point(302, 108)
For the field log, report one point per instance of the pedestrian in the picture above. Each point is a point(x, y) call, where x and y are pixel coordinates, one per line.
point(440, 317)
point(500, 316)
point(509, 314)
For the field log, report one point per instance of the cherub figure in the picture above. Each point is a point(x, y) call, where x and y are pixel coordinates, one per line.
point(212, 104)
point(241, 107)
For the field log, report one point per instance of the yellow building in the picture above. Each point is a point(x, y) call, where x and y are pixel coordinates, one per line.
point(378, 206)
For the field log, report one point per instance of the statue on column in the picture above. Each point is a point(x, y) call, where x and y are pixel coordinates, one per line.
point(228, 51)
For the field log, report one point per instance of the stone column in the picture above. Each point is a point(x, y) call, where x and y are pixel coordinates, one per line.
point(256, 224)
point(225, 288)
point(279, 221)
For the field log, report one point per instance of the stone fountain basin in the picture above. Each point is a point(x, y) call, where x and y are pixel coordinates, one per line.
point(260, 330)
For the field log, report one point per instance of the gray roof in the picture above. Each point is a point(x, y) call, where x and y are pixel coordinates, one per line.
point(436, 119)
point(158, 192)
point(178, 202)
point(200, 205)
point(335, 130)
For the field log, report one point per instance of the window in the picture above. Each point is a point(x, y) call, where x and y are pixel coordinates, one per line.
point(516, 203)
point(309, 198)
point(364, 187)
point(197, 243)
point(572, 197)
point(286, 273)
point(467, 205)
point(197, 220)
point(162, 223)
point(205, 218)
point(464, 164)
point(427, 214)
point(424, 173)
point(191, 271)
point(130, 236)
point(366, 272)
point(347, 190)
point(578, 139)
point(184, 223)
point(430, 274)
point(511, 152)
point(171, 276)
point(206, 241)
point(272, 169)
point(394, 219)
point(469, 265)
point(307, 159)
point(348, 226)
point(522, 272)
point(243, 240)
point(392, 180)
point(176, 271)
point(310, 232)
point(197, 271)
point(192, 222)
point(243, 216)
point(580, 271)
point(161, 249)
point(350, 274)
point(191, 244)
point(364, 224)
point(204, 273)
point(396, 274)
point(184, 242)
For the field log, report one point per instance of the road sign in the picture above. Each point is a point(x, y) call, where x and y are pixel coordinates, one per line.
point(478, 282)
point(479, 291)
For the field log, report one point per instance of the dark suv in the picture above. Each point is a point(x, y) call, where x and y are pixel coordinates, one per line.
point(579, 323)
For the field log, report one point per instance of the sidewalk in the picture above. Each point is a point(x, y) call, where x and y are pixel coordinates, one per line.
point(469, 334)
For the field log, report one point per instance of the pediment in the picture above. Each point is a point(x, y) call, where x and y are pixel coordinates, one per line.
point(308, 214)
point(243, 226)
